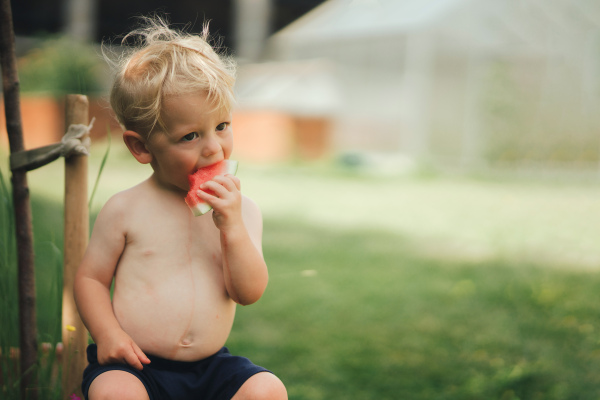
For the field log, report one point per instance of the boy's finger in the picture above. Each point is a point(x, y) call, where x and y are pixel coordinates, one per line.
point(211, 185)
point(207, 197)
point(132, 359)
point(235, 180)
point(230, 181)
point(215, 189)
point(141, 356)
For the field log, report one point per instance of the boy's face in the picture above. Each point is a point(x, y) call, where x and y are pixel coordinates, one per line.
point(195, 137)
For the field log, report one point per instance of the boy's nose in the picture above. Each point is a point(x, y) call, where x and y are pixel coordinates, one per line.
point(211, 147)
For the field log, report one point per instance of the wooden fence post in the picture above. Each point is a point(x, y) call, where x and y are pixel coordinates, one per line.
point(74, 333)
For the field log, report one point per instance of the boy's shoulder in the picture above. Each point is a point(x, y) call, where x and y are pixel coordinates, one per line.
point(247, 200)
point(251, 212)
point(250, 205)
point(123, 201)
point(129, 194)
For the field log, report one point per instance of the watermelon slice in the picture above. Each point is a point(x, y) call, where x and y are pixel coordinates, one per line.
point(197, 205)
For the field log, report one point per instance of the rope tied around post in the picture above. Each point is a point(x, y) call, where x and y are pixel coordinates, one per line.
point(75, 142)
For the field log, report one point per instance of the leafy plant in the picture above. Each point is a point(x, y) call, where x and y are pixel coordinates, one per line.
point(60, 66)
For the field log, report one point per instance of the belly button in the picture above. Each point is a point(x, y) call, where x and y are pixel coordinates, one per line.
point(148, 253)
point(186, 343)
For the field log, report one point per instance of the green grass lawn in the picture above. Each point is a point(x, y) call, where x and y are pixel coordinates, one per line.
point(398, 287)
point(375, 320)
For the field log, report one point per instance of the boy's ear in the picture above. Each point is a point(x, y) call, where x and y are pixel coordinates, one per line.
point(137, 146)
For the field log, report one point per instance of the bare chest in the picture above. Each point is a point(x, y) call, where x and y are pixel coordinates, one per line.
point(164, 245)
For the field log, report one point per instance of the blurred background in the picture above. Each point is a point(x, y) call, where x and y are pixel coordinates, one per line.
point(428, 172)
point(452, 84)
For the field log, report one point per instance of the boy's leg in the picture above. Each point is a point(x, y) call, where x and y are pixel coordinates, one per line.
point(262, 386)
point(117, 385)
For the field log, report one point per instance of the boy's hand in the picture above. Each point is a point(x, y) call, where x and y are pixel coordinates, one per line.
point(226, 200)
point(121, 349)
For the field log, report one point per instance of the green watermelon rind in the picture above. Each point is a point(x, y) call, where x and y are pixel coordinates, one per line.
point(201, 207)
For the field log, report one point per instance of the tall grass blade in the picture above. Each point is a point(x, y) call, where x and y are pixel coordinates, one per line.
point(104, 159)
point(9, 372)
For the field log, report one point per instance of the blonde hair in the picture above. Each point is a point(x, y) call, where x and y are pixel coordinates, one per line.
point(167, 62)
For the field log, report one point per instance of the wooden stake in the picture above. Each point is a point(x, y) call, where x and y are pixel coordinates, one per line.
point(74, 333)
point(22, 208)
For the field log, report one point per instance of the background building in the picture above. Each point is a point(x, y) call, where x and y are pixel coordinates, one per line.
point(460, 83)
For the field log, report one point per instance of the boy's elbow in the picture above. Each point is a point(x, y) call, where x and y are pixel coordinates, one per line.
point(248, 299)
point(249, 294)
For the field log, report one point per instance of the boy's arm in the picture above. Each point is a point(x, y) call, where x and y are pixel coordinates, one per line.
point(92, 290)
point(244, 267)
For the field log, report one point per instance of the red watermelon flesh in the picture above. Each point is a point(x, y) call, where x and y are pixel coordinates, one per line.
point(197, 205)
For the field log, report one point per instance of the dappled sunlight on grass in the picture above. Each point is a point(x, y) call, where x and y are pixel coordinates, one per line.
point(447, 217)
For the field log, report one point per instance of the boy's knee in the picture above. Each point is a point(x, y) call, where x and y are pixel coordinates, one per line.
point(263, 386)
point(117, 385)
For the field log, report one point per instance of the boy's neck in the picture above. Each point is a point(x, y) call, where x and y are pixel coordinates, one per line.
point(166, 187)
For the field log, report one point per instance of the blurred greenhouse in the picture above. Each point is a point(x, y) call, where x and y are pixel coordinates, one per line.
point(468, 84)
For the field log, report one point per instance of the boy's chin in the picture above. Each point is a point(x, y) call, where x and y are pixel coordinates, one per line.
point(182, 187)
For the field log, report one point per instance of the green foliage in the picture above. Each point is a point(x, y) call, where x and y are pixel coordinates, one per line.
point(60, 66)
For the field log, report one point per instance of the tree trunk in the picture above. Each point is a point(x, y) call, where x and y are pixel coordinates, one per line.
point(22, 208)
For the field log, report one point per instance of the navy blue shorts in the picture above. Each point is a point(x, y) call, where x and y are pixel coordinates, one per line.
point(217, 377)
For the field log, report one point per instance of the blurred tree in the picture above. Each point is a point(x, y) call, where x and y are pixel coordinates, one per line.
point(81, 19)
point(252, 26)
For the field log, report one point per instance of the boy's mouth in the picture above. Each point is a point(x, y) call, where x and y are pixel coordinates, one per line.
point(207, 166)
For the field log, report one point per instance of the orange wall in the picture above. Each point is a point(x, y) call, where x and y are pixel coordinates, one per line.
point(274, 136)
point(43, 121)
point(263, 136)
point(260, 136)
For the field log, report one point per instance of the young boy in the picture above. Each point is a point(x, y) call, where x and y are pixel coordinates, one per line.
point(177, 278)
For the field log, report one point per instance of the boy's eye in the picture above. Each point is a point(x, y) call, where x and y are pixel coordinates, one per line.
point(189, 136)
point(222, 126)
